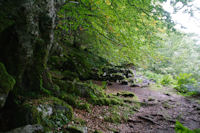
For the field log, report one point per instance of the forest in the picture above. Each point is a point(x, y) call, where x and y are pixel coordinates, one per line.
point(98, 66)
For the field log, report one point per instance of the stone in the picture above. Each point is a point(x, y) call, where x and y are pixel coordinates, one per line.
point(45, 109)
point(129, 75)
point(124, 82)
point(7, 83)
point(77, 129)
point(28, 129)
point(117, 76)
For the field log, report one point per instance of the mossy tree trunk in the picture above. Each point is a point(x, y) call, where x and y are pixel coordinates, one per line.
point(25, 43)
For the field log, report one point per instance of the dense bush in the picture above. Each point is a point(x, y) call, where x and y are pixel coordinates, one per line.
point(167, 80)
point(185, 83)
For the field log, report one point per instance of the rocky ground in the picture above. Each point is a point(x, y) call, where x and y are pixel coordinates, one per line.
point(160, 108)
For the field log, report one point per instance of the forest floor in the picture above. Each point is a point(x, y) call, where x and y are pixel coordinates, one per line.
point(159, 110)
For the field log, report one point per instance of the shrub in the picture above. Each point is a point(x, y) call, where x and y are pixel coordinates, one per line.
point(185, 83)
point(167, 80)
point(153, 76)
point(179, 128)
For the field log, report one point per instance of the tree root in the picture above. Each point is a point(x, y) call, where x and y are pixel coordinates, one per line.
point(148, 119)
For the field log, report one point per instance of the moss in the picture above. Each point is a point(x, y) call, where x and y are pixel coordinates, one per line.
point(56, 74)
point(97, 131)
point(65, 86)
point(7, 82)
point(38, 66)
point(105, 101)
point(57, 62)
point(94, 94)
point(114, 118)
point(73, 129)
point(72, 100)
point(118, 114)
point(69, 75)
point(69, 98)
point(56, 101)
point(32, 112)
point(26, 114)
point(126, 94)
point(79, 88)
point(84, 106)
point(44, 90)
point(7, 9)
point(80, 121)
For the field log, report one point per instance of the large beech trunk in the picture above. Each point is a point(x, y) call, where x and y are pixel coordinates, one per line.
point(25, 44)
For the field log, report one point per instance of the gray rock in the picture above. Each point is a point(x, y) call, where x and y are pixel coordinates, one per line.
point(46, 110)
point(28, 129)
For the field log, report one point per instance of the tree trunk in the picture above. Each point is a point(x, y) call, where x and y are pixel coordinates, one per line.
point(26, 42)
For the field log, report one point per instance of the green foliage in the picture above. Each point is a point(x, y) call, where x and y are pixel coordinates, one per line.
point(185, 83)
point(117, 30)
point(179, 128)
point(178, 53)
point(153, 76)
point(7, 14)
point(167, 80)
point(118, 114)
point(115, 118)
point(97, 131)
point(7, 82)
point(105, 101)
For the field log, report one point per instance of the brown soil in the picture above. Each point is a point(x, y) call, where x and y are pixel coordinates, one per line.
point(159, 111)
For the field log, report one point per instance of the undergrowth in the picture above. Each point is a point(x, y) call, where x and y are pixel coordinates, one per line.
point(179, 128)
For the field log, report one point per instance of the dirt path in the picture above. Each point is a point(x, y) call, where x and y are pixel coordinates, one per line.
point(162, 109)
point(159, 111)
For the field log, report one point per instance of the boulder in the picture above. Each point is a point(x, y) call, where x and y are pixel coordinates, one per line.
point(7, 83)
point(28, 129)
point(50, 112)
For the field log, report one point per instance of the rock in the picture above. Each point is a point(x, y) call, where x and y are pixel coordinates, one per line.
point(151, 99)
point(198, 108)
point(117, 76)
point(50, 112)
point(109, 84)
point(129, 75)
point(124, 82)
point(167, 94)
point(134, 85)
point(77, 129)
point(7, 83)
point(46, 110)
point(28, 129)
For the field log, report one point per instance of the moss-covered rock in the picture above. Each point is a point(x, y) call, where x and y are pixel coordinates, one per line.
point(7, 83)
point(77, 129)
point(78, 88)
point(126, 94)
point(50, 112)
point(28, 129)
